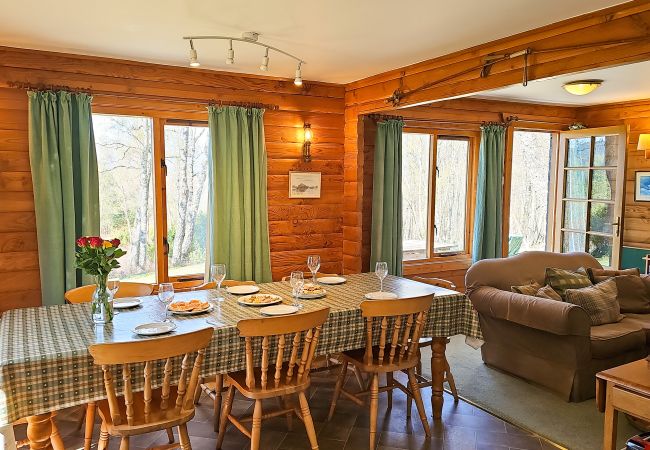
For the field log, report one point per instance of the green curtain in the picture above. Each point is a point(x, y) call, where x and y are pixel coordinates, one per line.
point(386, 240)
point(489, 193)
point(239, 218)
point(66, 185)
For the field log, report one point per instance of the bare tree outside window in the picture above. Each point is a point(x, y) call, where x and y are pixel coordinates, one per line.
point(415, 195)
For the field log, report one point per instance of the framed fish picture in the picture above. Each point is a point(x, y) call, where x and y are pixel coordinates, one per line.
point(304, 184)
point(642, 187)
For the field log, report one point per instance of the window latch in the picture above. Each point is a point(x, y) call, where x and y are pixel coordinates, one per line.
point(163, 165)
point(165, 246)
point(437, 172)
point(435, 229)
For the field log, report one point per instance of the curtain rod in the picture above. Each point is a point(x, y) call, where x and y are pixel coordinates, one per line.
point(45, 87)
point(244, 104)
point(502, 121)
point(378, 117)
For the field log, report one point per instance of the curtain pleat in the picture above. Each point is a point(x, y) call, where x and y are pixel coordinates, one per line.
point(489, 193)
point(66, 185)
point(386, 237)
point(239, 214)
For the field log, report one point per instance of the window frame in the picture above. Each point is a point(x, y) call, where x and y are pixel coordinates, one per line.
point(159, 120)
point(473, 139)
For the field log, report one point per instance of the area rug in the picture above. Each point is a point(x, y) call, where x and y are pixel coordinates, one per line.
point(575, 426)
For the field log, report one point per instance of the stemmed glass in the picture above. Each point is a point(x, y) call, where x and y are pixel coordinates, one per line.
point(313, 262)
point(218, 274)
point(297, 283)
point(381, 270)
point(113, 284)
point(166, 296)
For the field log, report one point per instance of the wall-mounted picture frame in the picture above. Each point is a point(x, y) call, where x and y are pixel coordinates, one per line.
point(642, 187)
point(304, 184)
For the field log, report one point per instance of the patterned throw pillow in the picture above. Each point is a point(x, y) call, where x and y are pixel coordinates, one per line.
point(562, 279)
point(598, 275)
point(548, 292)
point(527, 289)
point(599, 301)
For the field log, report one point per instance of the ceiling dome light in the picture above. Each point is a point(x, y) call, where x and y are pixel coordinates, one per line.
point(298, 80)
point(582, 87)
point(194, 61)
point(231, 55)
point(265, 61)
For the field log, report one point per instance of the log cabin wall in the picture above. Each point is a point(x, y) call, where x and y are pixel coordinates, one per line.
point(463, 115)
point(298, 227)
point(636, 221)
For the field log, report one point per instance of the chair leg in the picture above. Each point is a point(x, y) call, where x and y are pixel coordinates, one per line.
point(170, 435)
point(374, 406)
point(415, 389)
point(409, 406)
point(450, 379)
point(103, 438)
point(357, 375)
point(90, 422)
point(256, 431)
point(337, 388)
point(309, 422)
point(197, 392)
point(389, 382)
point(218, 387)
point(227, 407)
point(124, 443)
point(184, 437)
point(55, 437)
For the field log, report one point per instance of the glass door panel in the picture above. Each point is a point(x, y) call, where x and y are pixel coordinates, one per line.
point(592, 165)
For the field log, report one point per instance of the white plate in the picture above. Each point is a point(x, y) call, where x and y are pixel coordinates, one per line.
point(312, 296)
point(380, 295)
point(278, 310)
point(332, 280)
point(243, 289)
point(154, 329)
point(191, 313)
point(245, 300)
point(124, 303)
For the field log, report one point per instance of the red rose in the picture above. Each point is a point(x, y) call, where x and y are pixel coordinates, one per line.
point(115, 242)
point(82, 241)
point(96, 242)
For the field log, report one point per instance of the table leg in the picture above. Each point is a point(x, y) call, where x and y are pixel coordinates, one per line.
point(611, 420)
point(39, 431)
point(438, 346)
point(218, 387)
point(90, 423)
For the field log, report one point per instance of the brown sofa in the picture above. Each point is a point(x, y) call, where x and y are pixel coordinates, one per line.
point(546, 341)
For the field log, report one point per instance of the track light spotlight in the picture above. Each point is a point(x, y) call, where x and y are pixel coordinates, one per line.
point(298, 80)
point(194, 62)
point(265, 61)
point(231, 54)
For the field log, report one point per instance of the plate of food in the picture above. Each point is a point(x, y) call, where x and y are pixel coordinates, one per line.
point(311, 290)
point(243, 289)
point(332, 280)
point(189, 307)
point(125, 303)
point(259, 300)
point(154, 328)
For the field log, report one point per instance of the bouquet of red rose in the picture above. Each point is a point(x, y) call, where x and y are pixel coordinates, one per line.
point(97, 257)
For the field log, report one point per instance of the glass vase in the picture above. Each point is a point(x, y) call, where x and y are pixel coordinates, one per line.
point(102, 302)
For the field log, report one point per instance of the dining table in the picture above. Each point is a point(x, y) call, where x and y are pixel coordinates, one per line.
point(45, 365)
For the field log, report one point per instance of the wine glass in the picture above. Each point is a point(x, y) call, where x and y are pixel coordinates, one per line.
point(113, 285)
point(381, 270)
point(313, 262)
point(297, 283)
point(218, 274)
point(166, 296)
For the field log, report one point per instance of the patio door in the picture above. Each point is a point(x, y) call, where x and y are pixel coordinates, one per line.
point(590, 190)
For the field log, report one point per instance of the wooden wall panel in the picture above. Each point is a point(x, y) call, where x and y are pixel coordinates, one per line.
point(298, 227)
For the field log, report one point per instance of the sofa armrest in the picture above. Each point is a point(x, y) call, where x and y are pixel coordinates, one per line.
point(542, 314)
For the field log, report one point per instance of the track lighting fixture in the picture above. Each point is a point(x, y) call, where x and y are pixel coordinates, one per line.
point(265, 61)
point(231, 54)
point(249, 37)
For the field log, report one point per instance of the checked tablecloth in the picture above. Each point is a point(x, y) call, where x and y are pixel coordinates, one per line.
point(45, 364)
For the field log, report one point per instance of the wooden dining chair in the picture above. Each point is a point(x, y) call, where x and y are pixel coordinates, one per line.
point(136, 413)
point(399, 324)
point(84, 294)
point(279, 380)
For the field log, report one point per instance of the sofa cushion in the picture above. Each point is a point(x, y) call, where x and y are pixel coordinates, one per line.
point(527, 289)
point(548, 292)
point(562, 279)
point(598, 275)
point(599, 301)
point(633, 294)
point(643, 321)
point(614, 339)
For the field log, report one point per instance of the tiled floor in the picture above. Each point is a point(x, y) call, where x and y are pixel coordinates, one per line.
point(464, 427)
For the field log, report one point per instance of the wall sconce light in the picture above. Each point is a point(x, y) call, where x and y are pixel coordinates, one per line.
point(306, 146)
point(644, 144)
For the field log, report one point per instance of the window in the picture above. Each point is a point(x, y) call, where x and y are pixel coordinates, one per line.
point(125, 156)
point(529, 191)
point(434, 225)
point(130, 184)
